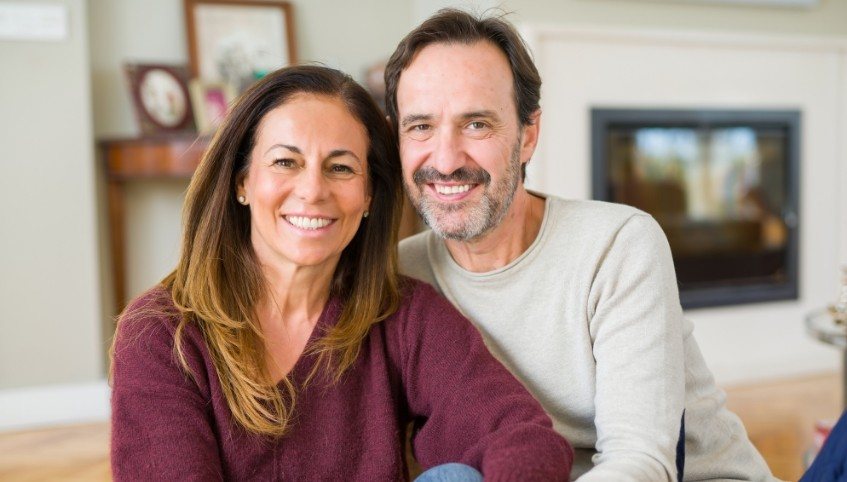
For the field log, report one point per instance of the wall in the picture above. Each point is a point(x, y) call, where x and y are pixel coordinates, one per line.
point(52, 303)
point(49, 303)
point(827, 18)
point(587, 68)
point(346, 35)
point(352, 35)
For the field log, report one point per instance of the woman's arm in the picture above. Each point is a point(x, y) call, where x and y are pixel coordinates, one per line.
point(468, 407)
point(161, 428)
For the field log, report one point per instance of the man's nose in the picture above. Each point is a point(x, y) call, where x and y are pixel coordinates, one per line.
point(311, 184)
point(448, 154)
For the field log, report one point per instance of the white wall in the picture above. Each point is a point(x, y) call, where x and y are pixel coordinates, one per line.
point(585, 68)
point(50, 298)
point(346, 35)
point(827, 18)
point(352, 35)
point(51, 303)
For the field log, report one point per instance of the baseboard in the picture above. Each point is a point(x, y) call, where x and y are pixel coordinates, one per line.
point(34, 407)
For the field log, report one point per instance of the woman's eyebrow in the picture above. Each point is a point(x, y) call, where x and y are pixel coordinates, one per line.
point(341, 153)
point(293, 149)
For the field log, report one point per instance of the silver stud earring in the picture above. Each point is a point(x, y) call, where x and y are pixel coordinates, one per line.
point(366, 214)
point(242, 200)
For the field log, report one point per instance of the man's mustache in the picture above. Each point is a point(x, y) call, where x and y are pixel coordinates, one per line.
point(426, 175)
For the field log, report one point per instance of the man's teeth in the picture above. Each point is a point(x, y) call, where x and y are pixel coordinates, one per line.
point(303, 222)
point(451, 189)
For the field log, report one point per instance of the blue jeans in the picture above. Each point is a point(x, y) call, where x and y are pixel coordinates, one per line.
point(830, 465)
point(450, 473)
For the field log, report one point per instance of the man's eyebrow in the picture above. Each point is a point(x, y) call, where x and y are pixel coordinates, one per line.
point(414, 118)
point(293, 149)
point(479, 114)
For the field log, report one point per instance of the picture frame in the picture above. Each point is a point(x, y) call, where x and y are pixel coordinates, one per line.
point(211, 102)
point(237, 42)
point(160, 98)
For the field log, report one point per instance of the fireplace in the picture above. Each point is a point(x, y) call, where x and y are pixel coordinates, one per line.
point(722, 184)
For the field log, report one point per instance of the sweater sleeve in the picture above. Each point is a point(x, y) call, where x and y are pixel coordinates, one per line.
point(161, 428)
point(467, 407)
point(636, 328)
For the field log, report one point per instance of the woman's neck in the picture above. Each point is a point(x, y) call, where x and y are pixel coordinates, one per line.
point(295, 294)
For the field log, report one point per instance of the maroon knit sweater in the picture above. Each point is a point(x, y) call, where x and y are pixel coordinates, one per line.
point(426, 363)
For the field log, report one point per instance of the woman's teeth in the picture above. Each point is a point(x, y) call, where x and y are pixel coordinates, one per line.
point(303, 222)
point(452, 189)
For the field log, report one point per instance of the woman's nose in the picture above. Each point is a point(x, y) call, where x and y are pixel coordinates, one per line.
point(311, 185)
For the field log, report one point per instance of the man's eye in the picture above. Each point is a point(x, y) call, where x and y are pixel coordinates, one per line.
point(420, 127)
point(476, 125)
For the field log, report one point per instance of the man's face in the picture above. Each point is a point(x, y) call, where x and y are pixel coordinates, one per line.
point(460, 139)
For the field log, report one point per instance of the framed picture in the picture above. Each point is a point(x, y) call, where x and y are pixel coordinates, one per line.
point(160, 97)
point(237, 42)
point(211, 103)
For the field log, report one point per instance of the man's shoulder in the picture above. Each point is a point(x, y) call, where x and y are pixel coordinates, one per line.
point(415, 243)
point(414, 257)
point(578, 215)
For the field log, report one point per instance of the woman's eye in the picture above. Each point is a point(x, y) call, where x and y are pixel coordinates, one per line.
point(340, 171)
point(285, 163)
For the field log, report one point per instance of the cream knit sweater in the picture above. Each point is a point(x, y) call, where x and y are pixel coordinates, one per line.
point(588, 318)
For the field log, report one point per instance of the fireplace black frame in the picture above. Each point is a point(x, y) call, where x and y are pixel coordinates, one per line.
point(791, 120)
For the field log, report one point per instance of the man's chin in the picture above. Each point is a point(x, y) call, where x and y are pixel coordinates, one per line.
point(446, 227)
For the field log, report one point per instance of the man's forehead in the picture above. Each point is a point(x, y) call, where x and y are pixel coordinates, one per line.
point(468, 77)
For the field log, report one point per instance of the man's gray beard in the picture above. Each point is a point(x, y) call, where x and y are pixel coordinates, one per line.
point(480, 217)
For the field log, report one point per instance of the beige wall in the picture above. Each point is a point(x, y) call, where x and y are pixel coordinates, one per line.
point(339, 33)
point(637, 69)
point(828, 18)
point(49, 302)
point(52, 302)
point(342, 34)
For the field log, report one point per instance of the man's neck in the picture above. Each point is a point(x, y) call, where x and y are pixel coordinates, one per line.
point(504, 243)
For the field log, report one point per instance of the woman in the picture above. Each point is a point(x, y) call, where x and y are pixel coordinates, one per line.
point(284, 345)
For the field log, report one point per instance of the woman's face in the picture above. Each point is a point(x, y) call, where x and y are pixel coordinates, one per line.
point(307, 184)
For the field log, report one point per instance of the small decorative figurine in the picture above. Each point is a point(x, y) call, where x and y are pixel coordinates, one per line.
point(838, 310)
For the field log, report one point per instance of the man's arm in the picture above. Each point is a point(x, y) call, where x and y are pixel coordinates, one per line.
point(636, 329)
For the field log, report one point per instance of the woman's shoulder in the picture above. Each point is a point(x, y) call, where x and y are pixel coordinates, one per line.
point(151, 312)
point(416, 292)
point(422, 307)
point(145, 338)
point(149, 324)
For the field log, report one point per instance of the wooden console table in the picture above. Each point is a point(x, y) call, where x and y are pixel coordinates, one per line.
point(172, 157)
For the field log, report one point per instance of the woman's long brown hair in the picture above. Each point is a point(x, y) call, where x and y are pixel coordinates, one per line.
point(218, 282)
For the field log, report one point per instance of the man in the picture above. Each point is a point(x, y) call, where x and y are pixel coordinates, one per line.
point(577, 298)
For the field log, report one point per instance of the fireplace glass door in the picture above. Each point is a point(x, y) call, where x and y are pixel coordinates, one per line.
point(723, 185)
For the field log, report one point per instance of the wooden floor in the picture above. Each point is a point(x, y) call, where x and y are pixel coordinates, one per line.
point(779, 417)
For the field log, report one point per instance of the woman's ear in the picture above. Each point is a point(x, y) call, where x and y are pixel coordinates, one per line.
point(241, 190)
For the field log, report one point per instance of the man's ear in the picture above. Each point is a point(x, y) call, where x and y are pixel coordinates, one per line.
point(529, 139)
